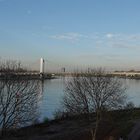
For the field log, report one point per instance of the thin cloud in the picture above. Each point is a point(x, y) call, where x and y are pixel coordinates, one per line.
point(69, 36)
point(123, 37)
point(126, 46)
point(121, 41)
point(109, 35)
point(110, 40)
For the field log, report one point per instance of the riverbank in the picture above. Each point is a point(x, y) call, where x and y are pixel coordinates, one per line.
point(26, 76)
point(115, 124)
point(60, 130)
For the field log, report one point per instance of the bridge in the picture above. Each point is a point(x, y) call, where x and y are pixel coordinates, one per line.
point(127, 74)
point(10, 73)
point(60, 71)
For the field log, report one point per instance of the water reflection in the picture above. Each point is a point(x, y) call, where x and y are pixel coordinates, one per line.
point(53, 90)
point(51, 98)
point(41, 89)
point(133, 91)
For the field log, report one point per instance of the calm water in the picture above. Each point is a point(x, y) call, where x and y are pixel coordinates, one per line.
point(52, 93)
point(53, 90)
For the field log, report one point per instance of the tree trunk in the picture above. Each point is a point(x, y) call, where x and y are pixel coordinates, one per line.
point(96, 126)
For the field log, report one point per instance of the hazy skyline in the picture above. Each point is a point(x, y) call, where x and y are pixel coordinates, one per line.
point(71, 33)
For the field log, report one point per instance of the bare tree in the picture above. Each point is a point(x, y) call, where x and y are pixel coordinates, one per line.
point(10, 66)
point(18, 99)
point(93, 92)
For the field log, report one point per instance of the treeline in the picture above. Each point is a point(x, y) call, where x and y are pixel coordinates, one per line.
point(11, 66)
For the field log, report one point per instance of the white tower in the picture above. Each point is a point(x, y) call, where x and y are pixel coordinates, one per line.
point(41, 66)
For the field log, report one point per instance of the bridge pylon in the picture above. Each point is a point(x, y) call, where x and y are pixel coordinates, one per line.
point(42, 64)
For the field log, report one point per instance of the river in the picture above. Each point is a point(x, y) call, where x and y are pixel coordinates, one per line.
point(53, 90)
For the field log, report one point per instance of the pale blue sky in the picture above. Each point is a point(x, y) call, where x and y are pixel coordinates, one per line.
point(71, 33)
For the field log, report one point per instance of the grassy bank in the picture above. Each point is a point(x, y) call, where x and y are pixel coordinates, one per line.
point(115, 124)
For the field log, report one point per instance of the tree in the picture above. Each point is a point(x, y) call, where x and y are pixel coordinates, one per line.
point(11, 66)
point(94, 91)
point(18, 99)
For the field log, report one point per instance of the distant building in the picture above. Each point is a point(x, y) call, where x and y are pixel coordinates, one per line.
point(63, 69)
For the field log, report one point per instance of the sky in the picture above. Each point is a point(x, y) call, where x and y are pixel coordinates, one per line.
point(71, 33)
